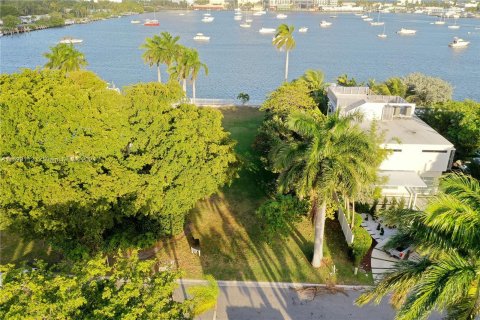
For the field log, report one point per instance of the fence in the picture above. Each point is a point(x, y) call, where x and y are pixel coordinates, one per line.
point(225, 102)
point(345, 227)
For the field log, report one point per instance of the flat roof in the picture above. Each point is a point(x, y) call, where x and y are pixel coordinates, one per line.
point(401, 179)
point(410, 130)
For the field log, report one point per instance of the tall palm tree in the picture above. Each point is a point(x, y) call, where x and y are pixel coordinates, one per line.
point(333, 155)
point(195, 66)
point(180, 70)
point(159, 50)
point(65, 57)
point(284, 40)
point(447, 235)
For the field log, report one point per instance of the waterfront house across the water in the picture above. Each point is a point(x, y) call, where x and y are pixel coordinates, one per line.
point(419, 154)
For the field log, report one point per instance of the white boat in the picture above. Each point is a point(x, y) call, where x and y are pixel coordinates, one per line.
point(207, 19)
point(407, 31)
point(181, 14)
point(267, 30)
point(238, 13)
point(325, 24)
point(237, 18)
point(303, 29)
point(454, 27)
point(151, 23)
point(70, 40)
point(245, 25)
point(439, 22)
point(358, 14)
point(377, 23)
point(333, 17)
point(364, 16)
point(135, 21)
point(206, 14)
point(201, 37)
point(458, 43)
point(382, 35)
point(368, 19)
point(248, 20)
point(281, 16)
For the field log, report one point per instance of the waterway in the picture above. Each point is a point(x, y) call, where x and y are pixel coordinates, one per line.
point(243, 60)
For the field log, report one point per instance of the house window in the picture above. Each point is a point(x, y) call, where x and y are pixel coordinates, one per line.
point(394, 150)
point(435, 151)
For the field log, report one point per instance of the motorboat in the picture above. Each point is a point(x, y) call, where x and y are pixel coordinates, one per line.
point(181, 14)
point(201, 37)
point(70, 40)
point(439, 22)
point(303, 29)
point(245, 25)
point(135, 21)
point(458, 43)
point(207, 19)
point(281, 16)
point(267, 30)
point(325, 24)
point(333, 17)
point(237, 18)
point(206, 14)
point(238, 13)
point(151, 23)
point(368, 19)
point(364, 16)
point(404, 31)
point(259, 13)
point(358, 14)
point(454, 27)
point(248, 20)
point(377, 23)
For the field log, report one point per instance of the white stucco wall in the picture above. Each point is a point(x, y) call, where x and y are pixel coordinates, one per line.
point(411, 158)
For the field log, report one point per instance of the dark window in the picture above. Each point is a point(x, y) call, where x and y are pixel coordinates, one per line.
point(394, 150)
point(435, 151)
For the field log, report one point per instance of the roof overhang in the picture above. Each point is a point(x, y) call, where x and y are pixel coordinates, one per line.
point(401, 179)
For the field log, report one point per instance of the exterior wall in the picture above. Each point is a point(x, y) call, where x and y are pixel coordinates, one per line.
point(412, 158)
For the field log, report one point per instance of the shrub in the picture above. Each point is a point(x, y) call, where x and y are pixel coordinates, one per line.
point(278, 215)
point(243, 97)
point(361, 242)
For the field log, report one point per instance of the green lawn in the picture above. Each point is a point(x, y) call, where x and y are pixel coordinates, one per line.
point(232, 248)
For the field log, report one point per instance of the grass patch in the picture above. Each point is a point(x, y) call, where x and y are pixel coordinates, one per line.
point(16, 250)
point(230, 237)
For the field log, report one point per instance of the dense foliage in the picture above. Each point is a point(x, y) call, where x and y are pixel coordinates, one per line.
point(86, 167)
point(362, 241)
point(129, 289)
point(458, 121)
point(447, 236)
point(65, 57)
point(278, 216)
point(204, 297)
point(425, 90)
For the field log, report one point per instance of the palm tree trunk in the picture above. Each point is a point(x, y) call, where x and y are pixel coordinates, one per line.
point(184, 85)
point(353, 213)
point(193, 90)
point(159, 74)
point(320, 215)
point(286, 66)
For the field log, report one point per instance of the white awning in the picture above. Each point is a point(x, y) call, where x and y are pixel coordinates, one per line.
point(401, 179)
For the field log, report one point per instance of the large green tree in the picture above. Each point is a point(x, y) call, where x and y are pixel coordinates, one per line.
point(284, 40)
point(447, 236)
point(85, 167)
point(331, 155)
point(161, 49)
point(425, 90)
point(458, 121)
point(65, 57)
point(129, 289)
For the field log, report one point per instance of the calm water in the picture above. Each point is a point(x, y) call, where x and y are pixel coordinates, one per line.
point(243, 60)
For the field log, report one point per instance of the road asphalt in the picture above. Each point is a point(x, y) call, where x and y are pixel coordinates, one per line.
point(271, 301)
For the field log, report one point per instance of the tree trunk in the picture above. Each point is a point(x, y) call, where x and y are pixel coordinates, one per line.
point(353, 213)
point(184, 85)
point(159, 74)
point(193, 90)
point(286, 66)
point(320, 215)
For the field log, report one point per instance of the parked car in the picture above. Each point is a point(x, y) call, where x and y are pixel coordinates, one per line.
point(400, 252)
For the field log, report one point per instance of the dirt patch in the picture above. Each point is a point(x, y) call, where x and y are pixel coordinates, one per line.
point(366, 263)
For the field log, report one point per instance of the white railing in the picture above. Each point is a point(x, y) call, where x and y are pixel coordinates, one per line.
point(224, 102)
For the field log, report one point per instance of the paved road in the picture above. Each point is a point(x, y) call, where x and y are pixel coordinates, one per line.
point(254, 301)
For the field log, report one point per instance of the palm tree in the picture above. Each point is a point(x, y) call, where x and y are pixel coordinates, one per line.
point(159, 50)
point(314, 81)
point(447, 235)
point(333, 156)
point(65, 57)
point(284, 40)
point(180, 70)
point(195, 65)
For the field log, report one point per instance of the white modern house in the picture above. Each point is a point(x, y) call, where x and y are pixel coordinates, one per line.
point(419, 154)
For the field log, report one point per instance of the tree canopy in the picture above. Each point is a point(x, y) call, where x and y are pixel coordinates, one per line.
point(65, 57)
point(86, 167)
point(458, 121)
point(129, 289)
point(425, 90)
